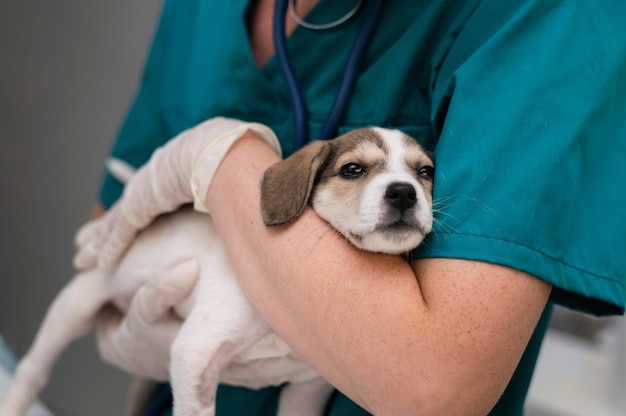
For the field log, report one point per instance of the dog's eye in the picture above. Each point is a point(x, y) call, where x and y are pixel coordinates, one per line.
point(352, 170)
point(426, 172)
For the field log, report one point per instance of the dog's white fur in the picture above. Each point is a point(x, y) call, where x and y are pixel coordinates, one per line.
point(222, 333)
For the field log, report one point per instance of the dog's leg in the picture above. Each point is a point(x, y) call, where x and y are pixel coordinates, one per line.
point(209, 339)
point(307, 398)
point(70, 316)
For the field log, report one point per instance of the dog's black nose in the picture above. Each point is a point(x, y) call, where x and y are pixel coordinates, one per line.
point(401, 195)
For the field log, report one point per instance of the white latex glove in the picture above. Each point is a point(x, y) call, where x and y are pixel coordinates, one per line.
point(139, 342)
point(177, 173)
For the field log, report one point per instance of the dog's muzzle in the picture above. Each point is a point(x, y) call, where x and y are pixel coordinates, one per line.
point(401, 196)
point(401, 218)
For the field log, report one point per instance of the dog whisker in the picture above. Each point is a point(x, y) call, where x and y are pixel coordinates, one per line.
point(485, 207)
point(425, 244)
point(441, 216)
point(442, 226)
point(442, 199)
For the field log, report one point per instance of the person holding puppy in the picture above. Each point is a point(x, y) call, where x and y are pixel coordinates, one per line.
point(521, 103)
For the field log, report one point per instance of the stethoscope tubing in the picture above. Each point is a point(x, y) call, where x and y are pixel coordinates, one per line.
point(296, 97)
point(348, 81)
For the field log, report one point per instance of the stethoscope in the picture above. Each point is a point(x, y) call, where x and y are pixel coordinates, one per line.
point(350, 74)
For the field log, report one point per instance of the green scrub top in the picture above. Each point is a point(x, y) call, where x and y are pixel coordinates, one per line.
point(522, 102)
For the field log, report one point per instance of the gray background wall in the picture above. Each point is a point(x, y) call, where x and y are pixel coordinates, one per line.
point(68, 71)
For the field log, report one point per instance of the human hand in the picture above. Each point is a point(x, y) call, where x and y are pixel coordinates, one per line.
point(139, 341)
point(177, 173)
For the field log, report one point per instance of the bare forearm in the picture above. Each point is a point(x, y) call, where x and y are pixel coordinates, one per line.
point(365, 321)
point(290, 271)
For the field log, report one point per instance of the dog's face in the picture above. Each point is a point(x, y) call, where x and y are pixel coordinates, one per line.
point(373, 185)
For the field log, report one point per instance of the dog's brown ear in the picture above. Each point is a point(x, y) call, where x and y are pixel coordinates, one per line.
point(287, 185)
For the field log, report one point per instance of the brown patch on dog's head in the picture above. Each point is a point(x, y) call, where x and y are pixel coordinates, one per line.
point(358, 155)
point(287, 185)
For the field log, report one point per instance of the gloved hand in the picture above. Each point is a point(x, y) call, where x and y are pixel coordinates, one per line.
point(139, 342)
point(177, 173)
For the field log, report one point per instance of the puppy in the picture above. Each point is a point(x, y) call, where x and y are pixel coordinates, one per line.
point(372, 185)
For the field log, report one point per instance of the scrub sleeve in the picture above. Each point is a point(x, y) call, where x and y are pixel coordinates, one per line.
point(522, 103)
point(531, 153)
